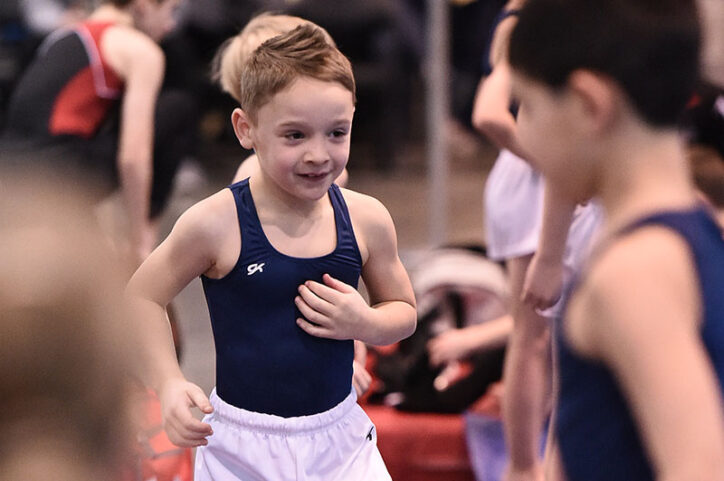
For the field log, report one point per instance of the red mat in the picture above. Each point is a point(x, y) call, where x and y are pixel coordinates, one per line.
point(421, 446)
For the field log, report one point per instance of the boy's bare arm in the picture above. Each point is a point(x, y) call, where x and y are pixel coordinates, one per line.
point(642, 319)
point(491, 111)
point(457, 344)
point(491, 108)
point(140, 63)
point(188, 252)
point(338, 311)
point(544, 278)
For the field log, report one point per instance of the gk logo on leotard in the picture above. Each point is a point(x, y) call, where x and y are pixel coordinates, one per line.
point(254, 268)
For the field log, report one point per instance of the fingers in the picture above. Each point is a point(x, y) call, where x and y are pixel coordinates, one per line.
point(186, 431)
point(199, 399)
point(182, 427)
point(311, 316)
point(361, 379)
point(526, 296)
point(360, 385)
point(530, 300)
point(313, 330)
point(336, 284)
point(360, 352)
point(540, 302)
point(331, 288)
point(314, 298)
point(434, 353)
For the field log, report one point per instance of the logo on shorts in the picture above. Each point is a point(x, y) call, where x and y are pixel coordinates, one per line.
point(254, 268)
point(369, 434)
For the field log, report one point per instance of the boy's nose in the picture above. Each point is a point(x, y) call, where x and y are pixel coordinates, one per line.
point(317, 152)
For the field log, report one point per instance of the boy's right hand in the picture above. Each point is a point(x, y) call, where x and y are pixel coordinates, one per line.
point(178, 396)
point(543, 283)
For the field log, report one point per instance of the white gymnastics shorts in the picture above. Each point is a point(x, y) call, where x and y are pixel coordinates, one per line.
point(336, 445)
point(513, 206)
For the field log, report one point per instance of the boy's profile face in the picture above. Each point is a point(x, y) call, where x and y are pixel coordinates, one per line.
point(301, 136)
point(550, 128)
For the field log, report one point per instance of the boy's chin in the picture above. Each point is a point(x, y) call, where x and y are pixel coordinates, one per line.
point(315, 192)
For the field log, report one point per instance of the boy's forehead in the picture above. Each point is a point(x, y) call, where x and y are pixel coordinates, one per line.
point(305, 86)
point(306, 97)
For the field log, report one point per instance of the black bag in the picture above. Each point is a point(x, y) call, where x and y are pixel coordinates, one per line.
point(454, 288)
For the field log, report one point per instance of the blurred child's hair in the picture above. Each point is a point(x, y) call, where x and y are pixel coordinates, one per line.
point(650, 48)
point(303, 52)
point(229, 60)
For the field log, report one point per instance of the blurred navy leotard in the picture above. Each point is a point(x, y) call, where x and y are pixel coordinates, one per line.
point(597, 435)
point(265, 363)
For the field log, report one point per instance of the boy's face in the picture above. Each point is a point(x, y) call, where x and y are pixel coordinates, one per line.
point(549, 128)
point(302, 136)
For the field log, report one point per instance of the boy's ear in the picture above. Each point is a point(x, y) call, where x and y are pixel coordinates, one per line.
point(243, 128)
point(598, 99)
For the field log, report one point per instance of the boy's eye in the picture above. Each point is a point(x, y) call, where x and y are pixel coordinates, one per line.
point(294, 135)
point(339, 133)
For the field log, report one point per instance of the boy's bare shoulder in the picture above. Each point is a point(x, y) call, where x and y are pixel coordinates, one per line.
point(210, 218)
point(125, 46)
point(641, 256)
point(365, 209)
point(647, 276)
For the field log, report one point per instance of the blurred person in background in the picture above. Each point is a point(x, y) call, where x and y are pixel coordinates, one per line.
point(64, 337)
point(91, 100)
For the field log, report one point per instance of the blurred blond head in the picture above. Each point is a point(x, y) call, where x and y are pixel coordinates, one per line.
point(228, 64)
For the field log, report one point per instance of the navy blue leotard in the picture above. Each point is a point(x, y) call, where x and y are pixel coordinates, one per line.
point(264, 362)
point(597, 435)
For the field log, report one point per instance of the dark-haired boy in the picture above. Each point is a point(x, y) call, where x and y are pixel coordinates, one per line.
point(601, 87)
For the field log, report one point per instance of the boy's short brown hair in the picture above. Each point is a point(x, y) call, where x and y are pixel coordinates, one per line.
point(302, 52)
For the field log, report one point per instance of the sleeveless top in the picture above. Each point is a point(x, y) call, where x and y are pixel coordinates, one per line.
point(265, 362)
point(68, 89)
point(597, 434)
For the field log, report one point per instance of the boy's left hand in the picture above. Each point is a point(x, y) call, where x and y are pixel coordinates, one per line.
point(332, 310)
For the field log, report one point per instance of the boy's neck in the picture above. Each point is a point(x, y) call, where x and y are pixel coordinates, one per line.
point(110, 13)
point(645, 172)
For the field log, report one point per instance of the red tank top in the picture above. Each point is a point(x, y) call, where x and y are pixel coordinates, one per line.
point(85, 100)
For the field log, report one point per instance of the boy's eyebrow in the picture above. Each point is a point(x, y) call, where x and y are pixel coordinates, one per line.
point(296, 123)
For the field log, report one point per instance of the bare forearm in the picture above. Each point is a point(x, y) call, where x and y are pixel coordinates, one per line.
point(491, 334)
point(158, 347)
point(557, 218)
point(136, 176)
point(389, 322)
point(501, 132)
point(492, 115)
